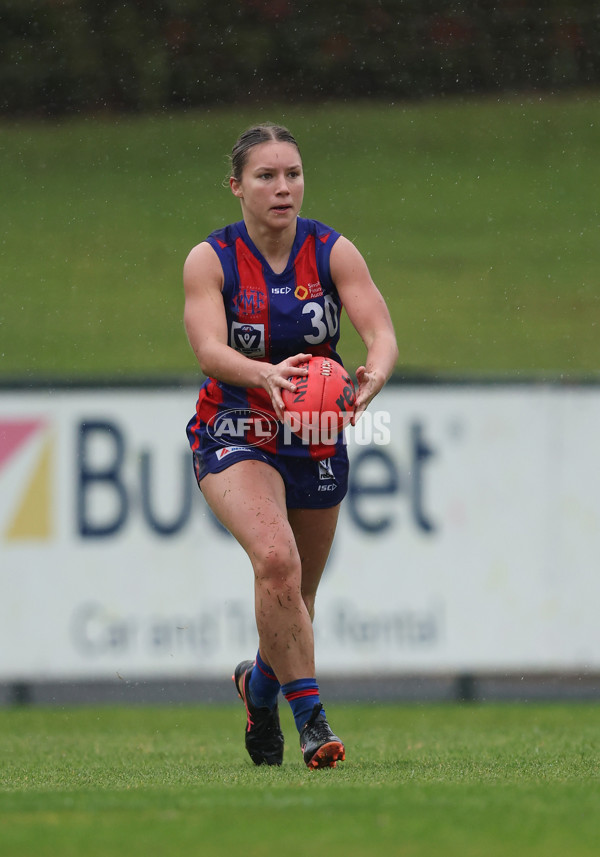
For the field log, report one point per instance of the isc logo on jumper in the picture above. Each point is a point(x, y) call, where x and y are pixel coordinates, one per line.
point(26, 474)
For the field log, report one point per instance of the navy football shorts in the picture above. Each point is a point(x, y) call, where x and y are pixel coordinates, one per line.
point(309, 484)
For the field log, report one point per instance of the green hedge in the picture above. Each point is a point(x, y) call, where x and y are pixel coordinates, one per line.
point(59, 56)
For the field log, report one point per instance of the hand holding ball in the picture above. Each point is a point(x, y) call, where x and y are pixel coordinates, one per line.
point(323, 402)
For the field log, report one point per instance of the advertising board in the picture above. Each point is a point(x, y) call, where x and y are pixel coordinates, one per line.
point(469, 539)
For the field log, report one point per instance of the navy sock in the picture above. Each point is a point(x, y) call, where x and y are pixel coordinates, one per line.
point(263, 685)
point(302, 695)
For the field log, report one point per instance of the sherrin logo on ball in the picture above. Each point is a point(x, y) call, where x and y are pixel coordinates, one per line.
point(323, 402)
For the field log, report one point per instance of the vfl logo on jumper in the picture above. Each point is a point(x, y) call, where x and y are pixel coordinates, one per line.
point(26, 459)
point(249, 339)
point(238, 428)
point(312, 290)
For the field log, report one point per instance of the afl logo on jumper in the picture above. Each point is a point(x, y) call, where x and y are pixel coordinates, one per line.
point(249, 339)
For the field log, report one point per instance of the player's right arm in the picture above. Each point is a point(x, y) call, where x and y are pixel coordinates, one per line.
point(206, 326)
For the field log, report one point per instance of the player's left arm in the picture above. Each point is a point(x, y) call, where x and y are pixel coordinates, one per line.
point(368, 313)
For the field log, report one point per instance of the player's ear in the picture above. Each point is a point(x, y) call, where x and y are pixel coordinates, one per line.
point(235, 186)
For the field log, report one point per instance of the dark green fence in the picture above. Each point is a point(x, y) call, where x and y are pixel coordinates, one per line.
point(59, 56)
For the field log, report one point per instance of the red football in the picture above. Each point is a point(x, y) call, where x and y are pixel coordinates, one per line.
point(323, 402)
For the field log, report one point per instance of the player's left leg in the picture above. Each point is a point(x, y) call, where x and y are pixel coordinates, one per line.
point(313, 530)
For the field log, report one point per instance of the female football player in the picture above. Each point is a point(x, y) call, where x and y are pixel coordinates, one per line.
point(262, 296)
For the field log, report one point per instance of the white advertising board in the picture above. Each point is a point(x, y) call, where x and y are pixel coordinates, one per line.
point(469, 539)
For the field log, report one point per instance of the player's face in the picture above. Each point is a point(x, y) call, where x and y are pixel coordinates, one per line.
point(272, 185)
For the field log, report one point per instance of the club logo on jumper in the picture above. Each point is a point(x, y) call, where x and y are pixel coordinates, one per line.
point(249, 339)
point(312, 290)
point(26, 467)
point(249, 301)
point(239, 428)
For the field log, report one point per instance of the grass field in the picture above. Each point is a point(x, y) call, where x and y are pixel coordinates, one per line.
point(419, 780)
point(479, 219)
